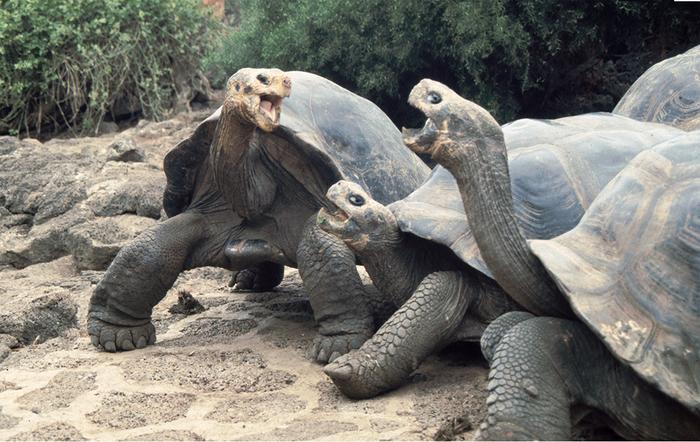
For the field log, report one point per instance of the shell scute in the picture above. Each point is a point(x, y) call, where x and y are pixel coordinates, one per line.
point(554, 179)
point(631, 268)
point(668, 92)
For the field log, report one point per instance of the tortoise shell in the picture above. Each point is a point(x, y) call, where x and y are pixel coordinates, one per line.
point(557, 167)
point(337, 135)
point(668, 92)
point(631, 268)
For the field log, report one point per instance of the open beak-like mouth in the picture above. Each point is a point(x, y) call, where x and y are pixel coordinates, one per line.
point(333, 219)
point(420, 139)
point(271, 107)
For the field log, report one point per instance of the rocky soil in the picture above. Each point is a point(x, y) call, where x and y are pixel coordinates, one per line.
point(236, 370)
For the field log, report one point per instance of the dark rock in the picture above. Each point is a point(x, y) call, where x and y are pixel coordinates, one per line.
point(45, 180)
point(9, 219)
point(59, 196)
point(186, 304)
point(10, 144)
point(42, 243)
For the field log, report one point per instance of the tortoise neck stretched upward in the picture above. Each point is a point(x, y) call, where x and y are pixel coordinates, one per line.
point(231, 141)
point(239, 173)
point(479, 163)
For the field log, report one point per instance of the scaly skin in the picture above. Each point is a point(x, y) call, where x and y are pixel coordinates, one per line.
point(144, 270)
point(433, 287)
point(424, 323)
point(336, 293)
point(467, 141)
point(542, 367)
point(251, 195)
point(120, 308)
point(497, 329)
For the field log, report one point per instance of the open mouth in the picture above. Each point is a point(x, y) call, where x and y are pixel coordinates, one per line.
point(423, 137)
point(333, 218)
point(270, 107)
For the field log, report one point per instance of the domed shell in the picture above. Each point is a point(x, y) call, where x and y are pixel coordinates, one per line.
point(631, 268)
point(557, 167)
point(668, 92)
point(336, 135)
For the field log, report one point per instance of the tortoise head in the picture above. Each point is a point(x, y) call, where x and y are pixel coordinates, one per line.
point(361, 222)
point(450, 119)
point(255, 96)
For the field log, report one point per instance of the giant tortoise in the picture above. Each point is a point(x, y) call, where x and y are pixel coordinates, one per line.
point(629, 348)
point(239, 193)
point(668, 92)
point(422, 247)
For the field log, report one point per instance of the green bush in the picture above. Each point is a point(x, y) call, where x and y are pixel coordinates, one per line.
point(515, 57)
point(70, 63)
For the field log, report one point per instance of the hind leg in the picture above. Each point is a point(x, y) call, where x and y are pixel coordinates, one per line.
point(261, 277)
point(119, 316)
point(327, 268)
point(542, 367)
point(266, 272)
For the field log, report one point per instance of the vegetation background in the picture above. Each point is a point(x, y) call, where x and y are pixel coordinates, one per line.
point(76, 62)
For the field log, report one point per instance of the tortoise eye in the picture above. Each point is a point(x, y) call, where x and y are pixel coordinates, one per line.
point(434, 98)
point(356, 200)
point(262, 78)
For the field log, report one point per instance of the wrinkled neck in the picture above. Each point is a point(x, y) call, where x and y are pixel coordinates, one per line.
point(397, 267)
point(246, 184)
point(480, 166)
point(231, 140)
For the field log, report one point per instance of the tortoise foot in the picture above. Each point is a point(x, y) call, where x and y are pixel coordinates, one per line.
point(327, 348)
point(356, 375)
point(113, 338)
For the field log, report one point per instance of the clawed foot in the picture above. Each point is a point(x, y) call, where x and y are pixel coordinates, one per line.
point(328, 348)
point(119, 338)
point(356, 375)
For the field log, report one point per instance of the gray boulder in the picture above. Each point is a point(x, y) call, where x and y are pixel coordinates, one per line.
point(82, 197)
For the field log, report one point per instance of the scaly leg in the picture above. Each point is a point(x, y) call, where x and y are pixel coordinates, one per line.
point(119, 316)
point(541, 367)
point(327, 268)
point(421, 326)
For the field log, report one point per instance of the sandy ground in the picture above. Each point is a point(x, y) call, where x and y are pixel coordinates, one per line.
point(238, 370)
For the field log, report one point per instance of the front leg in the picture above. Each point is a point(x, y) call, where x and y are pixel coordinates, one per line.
point(119, 316)
point(420, 327)
point(540, 367)
point(337, 296)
